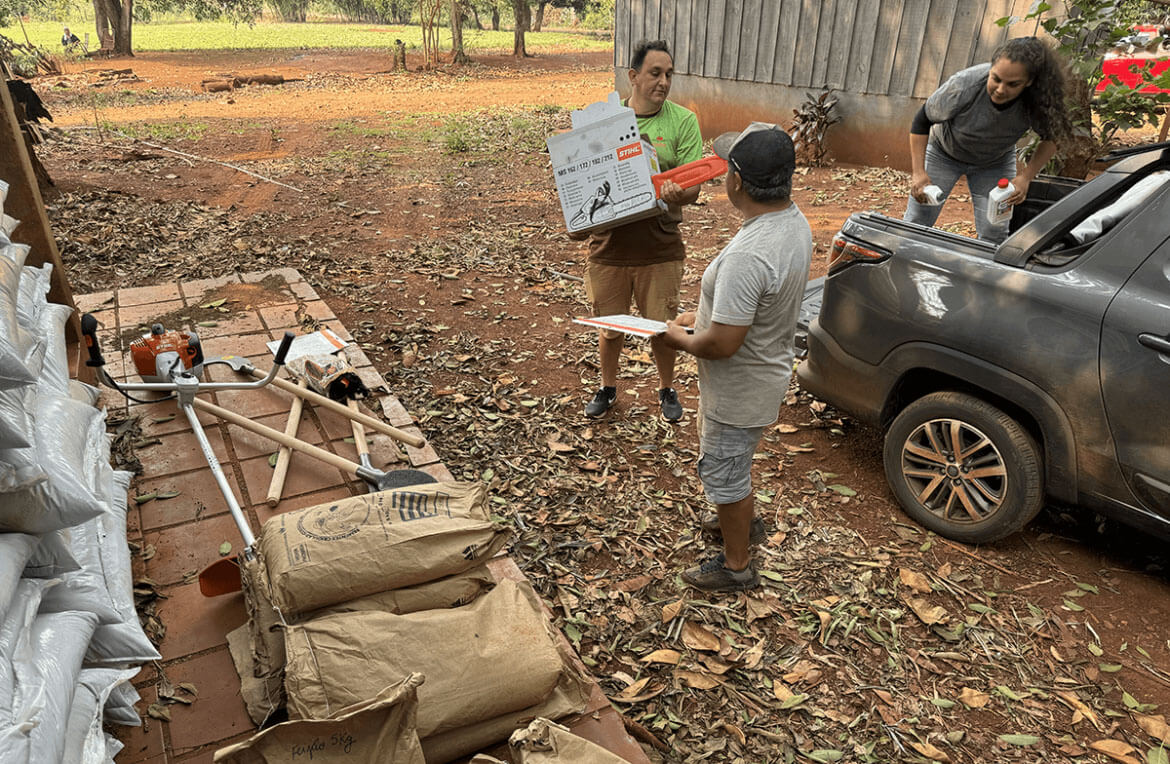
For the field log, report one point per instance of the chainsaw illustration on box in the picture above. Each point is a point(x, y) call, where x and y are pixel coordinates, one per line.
point(161, 354)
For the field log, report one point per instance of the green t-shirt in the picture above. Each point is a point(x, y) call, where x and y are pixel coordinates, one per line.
point(674, 133)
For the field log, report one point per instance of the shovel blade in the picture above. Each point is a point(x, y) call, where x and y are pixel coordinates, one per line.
point(220, 577)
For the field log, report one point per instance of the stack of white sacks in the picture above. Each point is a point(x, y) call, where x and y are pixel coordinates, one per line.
point(70, 639)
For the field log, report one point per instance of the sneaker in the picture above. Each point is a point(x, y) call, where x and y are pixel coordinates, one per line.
point(601, 403)
point(671, 409)
point(714, 576)
point(759, 533)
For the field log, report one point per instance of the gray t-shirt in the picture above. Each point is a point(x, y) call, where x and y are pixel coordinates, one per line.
point(758, 280)
point(967, 125)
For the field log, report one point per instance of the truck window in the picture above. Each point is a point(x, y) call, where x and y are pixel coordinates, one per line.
point(1081, 234)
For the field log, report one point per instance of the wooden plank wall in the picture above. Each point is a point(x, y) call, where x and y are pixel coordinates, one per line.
point(880, 47)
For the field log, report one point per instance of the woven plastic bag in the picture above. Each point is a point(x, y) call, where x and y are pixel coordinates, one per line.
point(122, 642)
point(14, 341)
point(85, 743)
point(70, 443)
point(58, 642)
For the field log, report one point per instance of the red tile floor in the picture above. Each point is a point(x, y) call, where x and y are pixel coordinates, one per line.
point(183, 534)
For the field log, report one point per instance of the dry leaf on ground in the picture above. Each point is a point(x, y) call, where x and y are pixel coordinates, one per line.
point(973, 698)
point(1115, 749)
point(696, 637)
point(929, 751)
point(915, 580)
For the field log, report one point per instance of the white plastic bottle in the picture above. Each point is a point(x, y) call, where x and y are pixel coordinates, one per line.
point(998, 209)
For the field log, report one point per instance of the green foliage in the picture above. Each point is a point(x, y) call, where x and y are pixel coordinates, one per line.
point(223, 35)
point(501, 131)
point(598, 15)
point(1085, 33)
point(162, 131)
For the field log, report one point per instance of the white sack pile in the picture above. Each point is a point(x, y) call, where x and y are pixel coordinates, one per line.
point(70, 640)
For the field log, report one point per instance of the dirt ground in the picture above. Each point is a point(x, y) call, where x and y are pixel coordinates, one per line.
point(422, 208)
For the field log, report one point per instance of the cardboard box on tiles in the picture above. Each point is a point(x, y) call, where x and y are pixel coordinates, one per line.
point(602, 168)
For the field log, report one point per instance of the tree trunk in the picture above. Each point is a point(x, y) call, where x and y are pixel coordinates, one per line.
point(1081, 150)
point(495, 19)
point(122, 37)
point(523, 15)
point(104, 25)
point(536, 25)
point(458, 55)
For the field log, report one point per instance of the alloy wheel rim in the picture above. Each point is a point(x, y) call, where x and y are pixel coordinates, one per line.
point(954, 471)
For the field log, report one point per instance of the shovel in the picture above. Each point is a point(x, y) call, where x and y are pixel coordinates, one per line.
point(243, 365)
point(223, 576)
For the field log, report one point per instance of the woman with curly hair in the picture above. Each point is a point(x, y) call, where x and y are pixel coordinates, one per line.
point(971, 124)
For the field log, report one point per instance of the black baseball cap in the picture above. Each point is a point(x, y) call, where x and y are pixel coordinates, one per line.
point(759, 153)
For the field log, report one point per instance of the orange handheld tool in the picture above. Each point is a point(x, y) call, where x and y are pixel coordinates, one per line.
point(691, 173)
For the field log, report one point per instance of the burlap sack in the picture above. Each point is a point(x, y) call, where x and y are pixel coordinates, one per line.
point(453, 591)
point(263, 639)
point(266, 639)
point(380, 730)
point(546, 742)
point(262, 696)
point(340, 551)
point(481, 661)
point(571, 696)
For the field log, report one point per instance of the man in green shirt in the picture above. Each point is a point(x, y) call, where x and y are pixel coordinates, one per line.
point(642, 261)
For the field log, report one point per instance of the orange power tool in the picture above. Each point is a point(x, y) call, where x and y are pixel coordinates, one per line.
point(160, 354)
point(691, 173)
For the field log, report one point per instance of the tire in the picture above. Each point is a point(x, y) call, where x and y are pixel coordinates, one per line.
point(946, 497)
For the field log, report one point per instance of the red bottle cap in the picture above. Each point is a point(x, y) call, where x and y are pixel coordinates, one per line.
point(1003, 183)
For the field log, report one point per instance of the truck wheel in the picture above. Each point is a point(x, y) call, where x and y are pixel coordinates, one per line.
point(963, 468)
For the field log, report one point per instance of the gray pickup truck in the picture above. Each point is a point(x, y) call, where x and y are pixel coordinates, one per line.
point(1006, 376)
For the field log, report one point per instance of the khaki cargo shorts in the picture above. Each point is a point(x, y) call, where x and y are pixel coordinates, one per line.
point(653, 288)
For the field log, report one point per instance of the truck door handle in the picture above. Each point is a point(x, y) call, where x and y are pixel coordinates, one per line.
point(1154, 342)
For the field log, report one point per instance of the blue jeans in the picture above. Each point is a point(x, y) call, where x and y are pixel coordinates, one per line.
point(944, 172)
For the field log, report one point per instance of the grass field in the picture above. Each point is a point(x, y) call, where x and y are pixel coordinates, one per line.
point(223, 35)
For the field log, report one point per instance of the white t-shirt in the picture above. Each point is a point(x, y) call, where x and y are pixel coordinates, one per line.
point(758, 280)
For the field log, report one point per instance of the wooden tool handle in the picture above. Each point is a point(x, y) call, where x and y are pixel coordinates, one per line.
point(332, 405)
point(284, 455)
point(359, 432)
point(294, 443)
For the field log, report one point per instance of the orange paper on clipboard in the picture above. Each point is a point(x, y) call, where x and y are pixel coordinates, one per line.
point(635, 325)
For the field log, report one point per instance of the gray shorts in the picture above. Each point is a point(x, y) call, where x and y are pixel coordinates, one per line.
point(725, 466)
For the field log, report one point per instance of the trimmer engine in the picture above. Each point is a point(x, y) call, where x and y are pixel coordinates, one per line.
point(161, 354)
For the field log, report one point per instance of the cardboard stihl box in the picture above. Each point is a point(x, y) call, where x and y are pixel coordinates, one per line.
point(603, 167)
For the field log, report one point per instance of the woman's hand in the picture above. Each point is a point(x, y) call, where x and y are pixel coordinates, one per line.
point(1020, 183)
point(918, 182)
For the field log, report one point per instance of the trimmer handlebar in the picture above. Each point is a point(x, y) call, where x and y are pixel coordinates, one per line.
point(282, 351)
point(89, 326)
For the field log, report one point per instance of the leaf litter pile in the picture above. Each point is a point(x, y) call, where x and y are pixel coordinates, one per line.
point(853, 649)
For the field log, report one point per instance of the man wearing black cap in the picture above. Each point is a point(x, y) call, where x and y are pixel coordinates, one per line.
point(744, 330)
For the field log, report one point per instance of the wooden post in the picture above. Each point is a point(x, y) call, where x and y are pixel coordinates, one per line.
point(25, 204)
